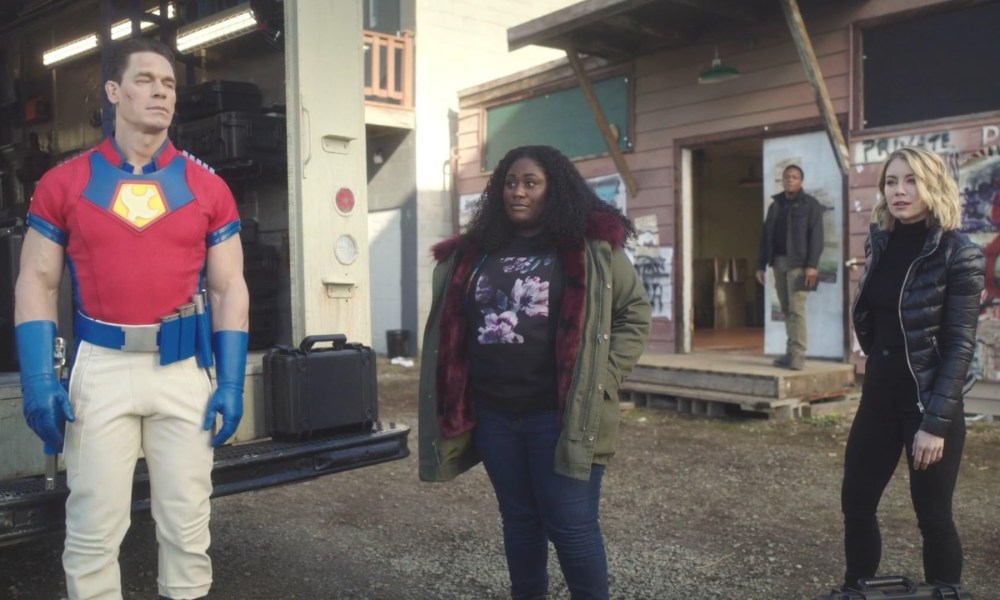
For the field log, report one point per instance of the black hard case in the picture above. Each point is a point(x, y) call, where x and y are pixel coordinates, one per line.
point(311, 391)
point(899, 588)
point(235, 139)
point(11, 238)
point(212, 97)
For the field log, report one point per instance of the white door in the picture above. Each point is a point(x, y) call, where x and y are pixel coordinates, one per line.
point(825, 308)
point(385, 240)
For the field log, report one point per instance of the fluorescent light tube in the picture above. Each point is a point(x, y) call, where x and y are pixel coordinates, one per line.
point(123, 29)
point(119, 30)
point(67, 51)
point(220, 26)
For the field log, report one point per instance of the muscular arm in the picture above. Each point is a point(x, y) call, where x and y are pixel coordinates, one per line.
point(227, 289)
point(36, 294)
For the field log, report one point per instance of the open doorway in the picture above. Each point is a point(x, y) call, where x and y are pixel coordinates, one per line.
point(727, 213)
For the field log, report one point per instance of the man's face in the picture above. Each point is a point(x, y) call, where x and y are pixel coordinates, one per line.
point(791, 181)
point(144, 100)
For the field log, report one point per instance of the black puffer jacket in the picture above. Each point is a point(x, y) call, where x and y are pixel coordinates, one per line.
point(939, 310)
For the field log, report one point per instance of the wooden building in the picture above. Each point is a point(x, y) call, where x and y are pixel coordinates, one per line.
point(686, 112)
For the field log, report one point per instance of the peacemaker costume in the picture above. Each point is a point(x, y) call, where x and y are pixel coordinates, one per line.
point(136, 246)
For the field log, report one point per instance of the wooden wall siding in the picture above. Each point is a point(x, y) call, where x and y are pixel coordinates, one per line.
point(670, 105)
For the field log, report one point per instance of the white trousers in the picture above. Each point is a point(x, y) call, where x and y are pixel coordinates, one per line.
point(124, 402)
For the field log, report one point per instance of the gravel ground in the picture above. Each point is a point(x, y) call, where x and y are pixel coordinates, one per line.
point(692, 509)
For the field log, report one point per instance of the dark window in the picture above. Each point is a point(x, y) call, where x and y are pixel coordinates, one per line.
point(562, 119)
point(935, 66)
point(382, 16)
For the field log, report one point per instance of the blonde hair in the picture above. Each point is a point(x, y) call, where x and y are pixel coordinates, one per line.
point(935, 185)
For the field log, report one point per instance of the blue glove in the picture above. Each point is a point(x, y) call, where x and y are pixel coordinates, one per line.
point(46, 403)
point(230, 370)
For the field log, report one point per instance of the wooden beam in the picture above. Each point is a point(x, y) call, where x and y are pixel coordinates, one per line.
point(602, 122)
point(546, 29)
point(728, 9)
point(660, 36)
point(804, 45)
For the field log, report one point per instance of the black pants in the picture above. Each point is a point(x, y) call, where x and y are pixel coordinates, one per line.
point(887, 420)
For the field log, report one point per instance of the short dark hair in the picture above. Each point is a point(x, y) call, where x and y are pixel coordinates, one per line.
point(802, 174)
point(123, 50)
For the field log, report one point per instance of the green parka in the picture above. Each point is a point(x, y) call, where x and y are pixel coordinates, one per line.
point(614, 317)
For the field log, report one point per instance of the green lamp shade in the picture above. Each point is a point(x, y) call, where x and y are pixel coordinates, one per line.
point(717, 72)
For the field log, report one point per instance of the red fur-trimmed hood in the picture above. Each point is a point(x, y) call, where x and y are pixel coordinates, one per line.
point(454, 407)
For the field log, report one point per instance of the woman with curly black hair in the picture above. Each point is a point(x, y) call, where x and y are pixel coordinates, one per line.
point(537, 317)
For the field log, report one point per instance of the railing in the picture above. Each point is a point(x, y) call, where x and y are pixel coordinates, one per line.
point(389, 68)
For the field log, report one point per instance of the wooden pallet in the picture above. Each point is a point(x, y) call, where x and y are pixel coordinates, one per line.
point(714, 403)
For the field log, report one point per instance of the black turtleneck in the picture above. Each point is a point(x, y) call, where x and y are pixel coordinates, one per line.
point(885, 283)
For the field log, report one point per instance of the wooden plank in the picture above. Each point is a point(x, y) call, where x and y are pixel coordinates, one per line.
point(984, 398)
point(778, 76)
point(679, 67)
point(747, 400)
point(715, 382)
point(798, 29)
point(656, 177)
point(545, 30)
point(723, 8)
point(797, 94)
point(602, 122)
point(763, 120)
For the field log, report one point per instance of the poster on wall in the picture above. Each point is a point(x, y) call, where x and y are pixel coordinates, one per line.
point(655, 266)
point(979, 187)
point(611, 189)
point(466, 203)
point(822, 180)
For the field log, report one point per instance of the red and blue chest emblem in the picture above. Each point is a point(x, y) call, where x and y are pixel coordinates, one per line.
point(138, 200)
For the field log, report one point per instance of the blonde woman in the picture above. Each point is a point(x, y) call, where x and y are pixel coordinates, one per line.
point(915, 315)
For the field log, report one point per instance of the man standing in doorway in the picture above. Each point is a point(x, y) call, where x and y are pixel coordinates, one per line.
point(791, 242)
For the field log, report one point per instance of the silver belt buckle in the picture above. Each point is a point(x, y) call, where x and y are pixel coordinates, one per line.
point(140, 338)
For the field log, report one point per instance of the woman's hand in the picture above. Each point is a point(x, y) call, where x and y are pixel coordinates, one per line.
point(927, 449)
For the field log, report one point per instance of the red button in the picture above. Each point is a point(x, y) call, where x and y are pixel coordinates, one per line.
point(345, 200)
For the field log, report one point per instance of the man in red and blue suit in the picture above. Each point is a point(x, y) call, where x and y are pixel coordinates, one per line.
point(144, 229)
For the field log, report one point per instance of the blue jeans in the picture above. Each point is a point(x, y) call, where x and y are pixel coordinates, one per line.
point(538, 505)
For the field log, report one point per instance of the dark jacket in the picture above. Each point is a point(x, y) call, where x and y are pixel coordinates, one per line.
point(803, 226)
point(939, 310)
point(604, 322)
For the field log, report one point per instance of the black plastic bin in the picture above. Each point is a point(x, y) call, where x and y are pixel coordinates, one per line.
point(398, 342)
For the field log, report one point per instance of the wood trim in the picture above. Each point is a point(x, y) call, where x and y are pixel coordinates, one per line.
point(904, 128)
point(544, 30)
point(723, 8)
point(530, 83)
point(803, 44)
point(682, 316)
point(776, 130)
point(856, 80)
point(602, 123)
